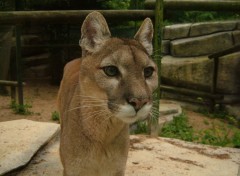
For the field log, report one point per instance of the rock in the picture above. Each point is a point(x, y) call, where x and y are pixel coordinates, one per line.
point(229, 73)
point(236, 37)
point(171, 157)
point(203, 45)
point(47, 162)
point(20, 140)
point(168, 110)
point(205, 28)
point(238, 25)
point(37, 59)
point(29, 39)
point(165, 47)
point(37, 71)
point(153, 157)
point(176, 31)
point(196, 73)
point(234, 110)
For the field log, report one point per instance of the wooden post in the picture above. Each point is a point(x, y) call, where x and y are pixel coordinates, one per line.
point(19, 64)
point(157, 58)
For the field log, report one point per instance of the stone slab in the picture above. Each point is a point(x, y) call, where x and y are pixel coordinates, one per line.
point(238, 25)
point(20, 140)
point(168, 110)
point(198, 29)
point(236, 37)
point(153, 157)
point(176, 31)
point(165, 47)
point(204, 45)
point(187, 72)
point(171, 157)
point(196, 72)
point(229, 73)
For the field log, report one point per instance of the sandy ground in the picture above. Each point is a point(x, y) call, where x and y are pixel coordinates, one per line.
point(40, 94)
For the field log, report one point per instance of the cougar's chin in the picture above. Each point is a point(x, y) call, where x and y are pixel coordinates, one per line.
point(127, 113)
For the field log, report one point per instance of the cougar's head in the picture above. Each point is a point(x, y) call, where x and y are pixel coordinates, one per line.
point(120, 71)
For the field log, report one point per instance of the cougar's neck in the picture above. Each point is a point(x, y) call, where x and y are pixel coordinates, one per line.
point(96, 121)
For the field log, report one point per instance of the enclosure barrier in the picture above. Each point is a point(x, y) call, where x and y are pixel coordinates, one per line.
point(19, 18)
point(201, 5)
point(13, 85)
point(215, 58)
point(198, 5)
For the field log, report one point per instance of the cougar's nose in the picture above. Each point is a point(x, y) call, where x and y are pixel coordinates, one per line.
point(137, 103)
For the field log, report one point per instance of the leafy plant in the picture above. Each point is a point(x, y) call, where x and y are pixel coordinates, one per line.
point(116, 4)
point(218, 134)
point(55, 116)
point(21, 109)
point(179, 128)
point(141, 127)
point(215, 136)
point(236, 140)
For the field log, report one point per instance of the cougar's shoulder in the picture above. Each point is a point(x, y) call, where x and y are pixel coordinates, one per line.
point(68, 83)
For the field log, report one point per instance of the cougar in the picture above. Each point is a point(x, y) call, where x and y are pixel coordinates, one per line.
point(101, 93)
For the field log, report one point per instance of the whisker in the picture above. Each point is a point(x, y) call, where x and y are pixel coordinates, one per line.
point(91, 115)
point(89, 106)
point(91, 97)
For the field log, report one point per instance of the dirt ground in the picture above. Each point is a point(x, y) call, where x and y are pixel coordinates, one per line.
point(40, 94)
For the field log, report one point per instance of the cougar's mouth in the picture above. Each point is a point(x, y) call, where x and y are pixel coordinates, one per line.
point(128, 114)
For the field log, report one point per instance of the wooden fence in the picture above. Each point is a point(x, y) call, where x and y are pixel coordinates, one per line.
point(18, 18)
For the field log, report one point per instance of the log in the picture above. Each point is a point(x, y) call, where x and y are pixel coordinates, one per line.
point(9, 83)
point(190, 92)
point(197, 5)
point(69, 16)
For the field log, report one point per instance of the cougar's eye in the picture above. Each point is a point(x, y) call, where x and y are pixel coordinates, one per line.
point(111, 71)
point(148, 71)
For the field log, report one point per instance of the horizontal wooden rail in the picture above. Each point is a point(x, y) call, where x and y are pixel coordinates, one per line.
point(10, 83)
point(185, 91)
point(69, 16)
point(197, 5)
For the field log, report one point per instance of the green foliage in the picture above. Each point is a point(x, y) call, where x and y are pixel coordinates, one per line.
point(220, 113)
point(179, 128)
point(55, 116)
point(21, 109)
point(215, 136)
point(236, 139)
point(200, 16)
point(218, 134)
point(141, 127)
point(116, 4)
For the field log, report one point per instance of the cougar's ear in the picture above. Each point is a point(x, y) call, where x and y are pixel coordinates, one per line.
point(145, 34)
point(94, 33)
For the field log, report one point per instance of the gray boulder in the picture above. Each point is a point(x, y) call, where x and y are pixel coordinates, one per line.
point(196, 73)
point(20, 140)
point(176, 31)
point(205, 28)
point(203, 45)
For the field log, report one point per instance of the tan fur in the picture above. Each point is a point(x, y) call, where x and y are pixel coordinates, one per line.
point(94, 133)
